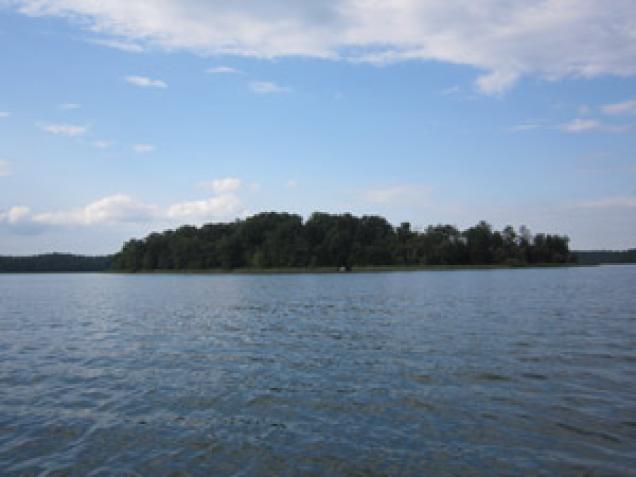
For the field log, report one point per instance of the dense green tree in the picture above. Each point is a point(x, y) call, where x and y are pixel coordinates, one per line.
point(271, 239)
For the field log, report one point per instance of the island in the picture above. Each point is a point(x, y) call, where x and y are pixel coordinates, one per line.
point(272, 240)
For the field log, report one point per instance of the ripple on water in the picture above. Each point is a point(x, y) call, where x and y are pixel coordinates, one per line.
point(507, 372)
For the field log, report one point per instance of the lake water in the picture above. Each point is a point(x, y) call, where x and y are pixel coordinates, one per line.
point(464, 373)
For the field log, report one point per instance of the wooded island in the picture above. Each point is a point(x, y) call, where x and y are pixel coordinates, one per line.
point(283, 240)
point(271, 241)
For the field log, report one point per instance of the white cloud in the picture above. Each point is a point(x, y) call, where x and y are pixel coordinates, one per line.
point(222, 186)
point(16, 214)
point(4, 114)
point(144, 148)
point(124, 209)
point(400, 194)
point(223, 70)
point(70, 106)
point(579, 125)
point(102, 144)
point(506, 40)
point(626, 107)
point(145, 82)
point(113, 209)
point(70, 130)
point(220, 207)
point(126, 46)
point(19, 220)
point(267, 87)
point(292, 184)
point(497, 82)
point(4, 169)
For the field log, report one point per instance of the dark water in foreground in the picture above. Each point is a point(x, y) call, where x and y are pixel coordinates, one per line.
point(494, 372)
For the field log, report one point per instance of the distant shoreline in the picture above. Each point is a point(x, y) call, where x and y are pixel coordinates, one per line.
point(317, 270)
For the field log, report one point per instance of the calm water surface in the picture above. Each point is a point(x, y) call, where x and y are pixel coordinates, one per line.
point(494, 372)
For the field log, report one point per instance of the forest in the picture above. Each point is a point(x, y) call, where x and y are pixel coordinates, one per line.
point(591, 257)
point(55, 262)
point(283, 240)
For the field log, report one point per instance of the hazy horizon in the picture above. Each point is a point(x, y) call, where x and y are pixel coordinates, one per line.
point(122, 118)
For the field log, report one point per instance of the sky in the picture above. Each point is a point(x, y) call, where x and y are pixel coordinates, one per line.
point(125, 117)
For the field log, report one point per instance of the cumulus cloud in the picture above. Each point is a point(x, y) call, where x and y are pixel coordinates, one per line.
point(267, 87)
point(16, 214)
point(626, 107)
point(222, 186)
point(144, 148)
point(219, 207)
point(505, 40)
point(113, 209)
point(145, 82)
point(116, 209)
point(4, 169)
point(498, 81)
point(223, 70)
point(70, 130)
point(4, 114)
point(579, 125)
point(395, 195)
point(18, 219)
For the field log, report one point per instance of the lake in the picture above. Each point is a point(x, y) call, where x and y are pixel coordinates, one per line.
point(463, 373)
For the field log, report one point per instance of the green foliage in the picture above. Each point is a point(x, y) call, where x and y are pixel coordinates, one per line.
point(281, 240)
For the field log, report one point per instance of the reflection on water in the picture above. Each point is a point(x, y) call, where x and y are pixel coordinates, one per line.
point(492, 372)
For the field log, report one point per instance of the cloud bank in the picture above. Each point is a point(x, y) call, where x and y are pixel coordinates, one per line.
point(503, 39)
point(123, 209)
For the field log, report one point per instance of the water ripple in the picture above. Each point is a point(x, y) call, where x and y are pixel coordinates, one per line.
point(476, 373)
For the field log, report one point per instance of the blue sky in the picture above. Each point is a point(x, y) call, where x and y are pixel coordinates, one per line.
point(119, 118)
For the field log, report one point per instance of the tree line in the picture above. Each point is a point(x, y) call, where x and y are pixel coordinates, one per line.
point(281, 240)
point(55, 262)
point(606, 256)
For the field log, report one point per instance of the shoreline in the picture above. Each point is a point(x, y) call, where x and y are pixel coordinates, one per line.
point(354, 270)
point(317, 270)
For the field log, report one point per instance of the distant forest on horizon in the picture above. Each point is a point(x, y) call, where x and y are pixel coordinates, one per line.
point(282, 240)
